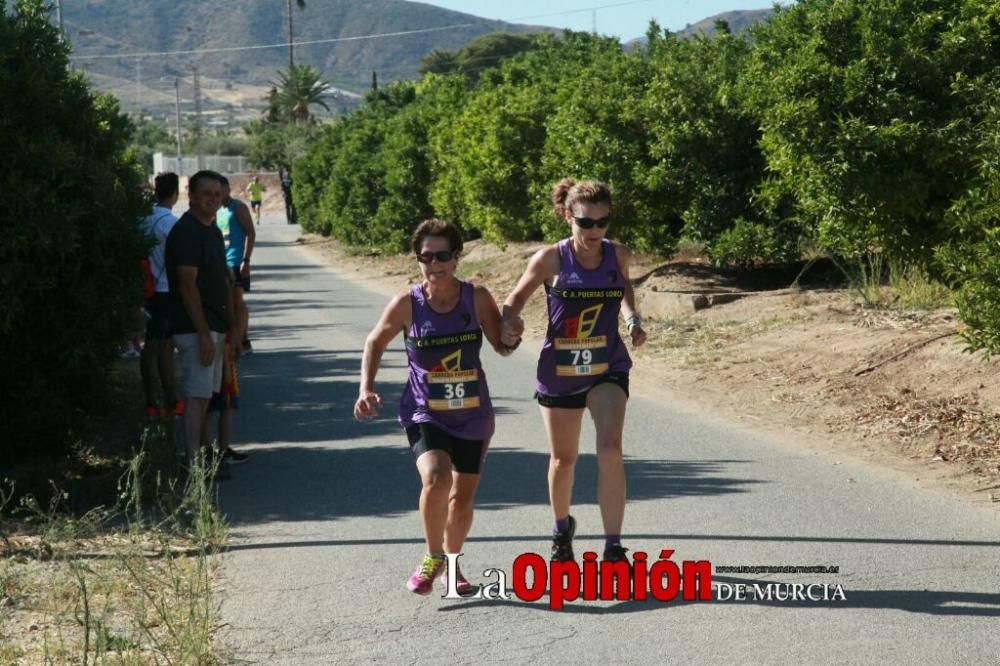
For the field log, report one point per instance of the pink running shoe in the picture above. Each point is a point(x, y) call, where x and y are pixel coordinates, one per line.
point(422, 580)
point(462, 586)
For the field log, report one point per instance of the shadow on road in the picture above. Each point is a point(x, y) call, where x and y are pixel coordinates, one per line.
point(294, 483)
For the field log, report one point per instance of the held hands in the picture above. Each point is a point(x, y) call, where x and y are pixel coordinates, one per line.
point(511, 330)
point(367, 406)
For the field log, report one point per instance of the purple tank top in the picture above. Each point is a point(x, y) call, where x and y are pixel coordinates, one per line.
point(582, 342)
point(447, 386)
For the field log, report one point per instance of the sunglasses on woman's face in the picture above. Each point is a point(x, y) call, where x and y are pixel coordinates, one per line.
point(440, 255)
point(590, 223)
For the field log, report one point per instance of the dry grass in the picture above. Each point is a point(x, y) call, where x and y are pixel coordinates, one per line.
point(938, 429)
point(129, 585)
point(696, 340)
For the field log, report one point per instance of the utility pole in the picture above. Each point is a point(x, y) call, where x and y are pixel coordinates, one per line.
point(197, 116)
point(177, 124)
point(593, 21)
point(291, 38)
point(138, 90)
point(59, 20)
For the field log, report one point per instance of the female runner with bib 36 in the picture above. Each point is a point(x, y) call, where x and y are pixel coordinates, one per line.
point(445, 407)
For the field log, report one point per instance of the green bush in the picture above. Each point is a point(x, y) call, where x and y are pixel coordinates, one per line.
point(971, 259)
point(746, 244)
point(310, 175)
point(356, 183)
point(864, 117)
point(71, 244)
point(705, 159)
point(487, 160)
point(866, 130)
point(600, 133)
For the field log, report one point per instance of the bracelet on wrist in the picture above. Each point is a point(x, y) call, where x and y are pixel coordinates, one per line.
point(513, 346)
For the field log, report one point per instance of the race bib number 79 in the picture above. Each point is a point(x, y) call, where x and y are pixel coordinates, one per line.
point(581, 356)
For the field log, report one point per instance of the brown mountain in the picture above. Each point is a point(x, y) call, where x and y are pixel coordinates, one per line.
point(237, 77)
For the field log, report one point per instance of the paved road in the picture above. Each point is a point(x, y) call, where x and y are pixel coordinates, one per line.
point(325, 532)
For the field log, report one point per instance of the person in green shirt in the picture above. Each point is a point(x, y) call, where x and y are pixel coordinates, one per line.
point(255, 190)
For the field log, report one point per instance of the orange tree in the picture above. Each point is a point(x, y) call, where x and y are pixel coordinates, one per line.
point(69, 253)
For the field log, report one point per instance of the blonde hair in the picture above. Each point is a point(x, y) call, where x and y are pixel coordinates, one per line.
point(569, 192)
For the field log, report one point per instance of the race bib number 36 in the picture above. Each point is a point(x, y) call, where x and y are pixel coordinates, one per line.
point(453, 390)
point(581, 356)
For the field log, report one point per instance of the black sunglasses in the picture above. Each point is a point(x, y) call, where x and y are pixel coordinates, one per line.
point(589, 222)
point(440, 255)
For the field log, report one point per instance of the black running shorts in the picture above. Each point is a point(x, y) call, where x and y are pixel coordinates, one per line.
point(466, 454)
point(579, 400)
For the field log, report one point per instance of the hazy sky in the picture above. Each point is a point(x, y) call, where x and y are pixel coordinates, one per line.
point(626, 20)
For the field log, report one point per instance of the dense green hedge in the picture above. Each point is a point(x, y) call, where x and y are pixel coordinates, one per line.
point(70, 246)
point(856, 127)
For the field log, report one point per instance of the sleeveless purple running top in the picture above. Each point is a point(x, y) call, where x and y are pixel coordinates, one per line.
point(582, 342)
point(447, 386)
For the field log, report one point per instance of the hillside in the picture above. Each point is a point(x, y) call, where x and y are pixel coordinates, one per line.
point(738, 21)
point(232, 80)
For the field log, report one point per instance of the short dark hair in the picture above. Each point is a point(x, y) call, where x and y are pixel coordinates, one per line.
point(225, 181)
point(435, 227)
point(166, 185)
point(204, 175)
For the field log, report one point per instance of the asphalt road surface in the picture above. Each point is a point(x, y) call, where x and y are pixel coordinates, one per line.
point(325, 529)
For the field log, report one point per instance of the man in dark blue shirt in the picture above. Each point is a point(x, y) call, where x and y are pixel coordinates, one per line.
point(201, 307)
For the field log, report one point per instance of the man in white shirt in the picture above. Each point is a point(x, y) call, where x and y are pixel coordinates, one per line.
point(158, 352)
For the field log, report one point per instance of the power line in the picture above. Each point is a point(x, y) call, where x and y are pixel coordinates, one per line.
point(576, 11)
point(332, 40)
point(270, 46)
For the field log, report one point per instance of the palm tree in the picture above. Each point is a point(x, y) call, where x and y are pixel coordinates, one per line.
point(291, 37)
point(439, 61)
point(298, 89)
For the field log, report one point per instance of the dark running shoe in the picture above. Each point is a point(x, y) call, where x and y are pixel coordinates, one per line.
point(234, 457)
point(562, 543)
point(615, 553)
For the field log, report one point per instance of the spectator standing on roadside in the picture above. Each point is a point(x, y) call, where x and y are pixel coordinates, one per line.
point(286, 191)
point(158, 353)
point(201, 308)
point(239, 235)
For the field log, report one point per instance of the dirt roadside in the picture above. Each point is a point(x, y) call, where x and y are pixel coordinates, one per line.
point(811, 367)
